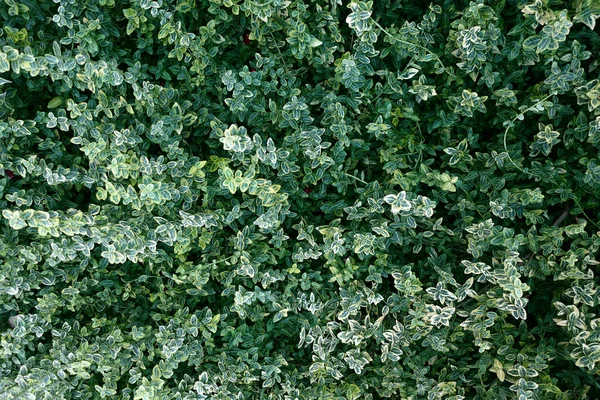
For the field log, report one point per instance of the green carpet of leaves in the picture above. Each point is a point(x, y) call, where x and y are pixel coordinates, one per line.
point(299, 199)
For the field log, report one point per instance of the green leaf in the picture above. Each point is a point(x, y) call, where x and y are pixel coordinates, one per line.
point(55, 102)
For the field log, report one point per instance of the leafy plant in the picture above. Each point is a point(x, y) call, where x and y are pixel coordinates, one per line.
point(289, 199)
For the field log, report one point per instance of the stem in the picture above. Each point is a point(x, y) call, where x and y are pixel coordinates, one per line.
point(355, 177)
point(471, 200)
point(562, 217)
point(410, 44)
point(512, 122)
point(584, 214)
point(279, 51)
point(222, 261)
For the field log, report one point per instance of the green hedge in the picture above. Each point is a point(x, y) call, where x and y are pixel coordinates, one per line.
point(299, 199)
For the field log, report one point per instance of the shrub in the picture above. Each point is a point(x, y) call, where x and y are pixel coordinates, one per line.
point(288, 199)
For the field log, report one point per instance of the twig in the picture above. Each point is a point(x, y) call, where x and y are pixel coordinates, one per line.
point(584, 214)
point(512, 121)
point(562, 216)
point(410, 44)
point(355, 177)
point(214, 262)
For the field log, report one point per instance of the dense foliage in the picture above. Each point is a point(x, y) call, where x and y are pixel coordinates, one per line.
point(299, 199)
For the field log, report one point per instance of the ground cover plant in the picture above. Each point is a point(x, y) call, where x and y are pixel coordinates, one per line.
point(294, 199)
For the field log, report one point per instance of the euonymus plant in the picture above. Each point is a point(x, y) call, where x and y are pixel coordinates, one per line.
point(299, 199)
